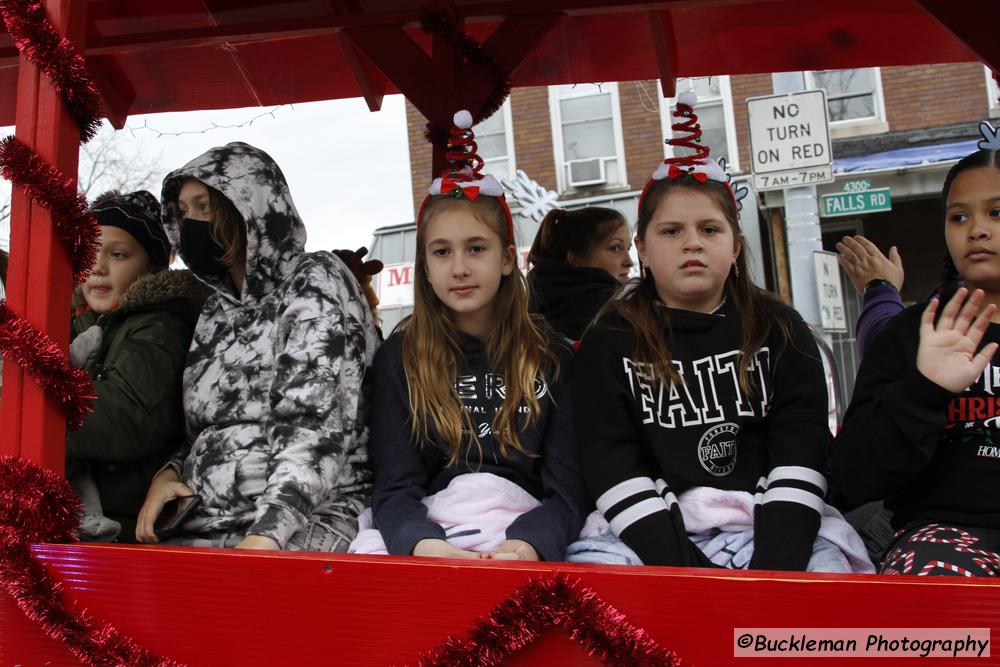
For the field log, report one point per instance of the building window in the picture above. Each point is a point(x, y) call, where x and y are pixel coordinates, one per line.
point(587, 135)
point(715, 115)
point(852, 95)
point(992, 92)
point(495, 139)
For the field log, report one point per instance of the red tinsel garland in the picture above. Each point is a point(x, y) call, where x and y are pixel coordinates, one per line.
point(45, 185)
point(35, 37)
point(467, 47)
point(46, 363)
point(519, 620)
point(37, 505)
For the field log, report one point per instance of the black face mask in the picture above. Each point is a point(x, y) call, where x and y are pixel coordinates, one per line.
point(199, 251)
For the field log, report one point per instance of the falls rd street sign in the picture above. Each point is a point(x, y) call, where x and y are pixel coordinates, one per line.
point(855, 203)
point(790, 140)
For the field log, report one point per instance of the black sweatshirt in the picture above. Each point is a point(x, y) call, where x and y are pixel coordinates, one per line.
point(568, 296)
point(643, 443)
point(406, 472)
point(932, 455)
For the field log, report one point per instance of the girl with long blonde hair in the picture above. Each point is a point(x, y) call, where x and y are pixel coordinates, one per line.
point(472, 441)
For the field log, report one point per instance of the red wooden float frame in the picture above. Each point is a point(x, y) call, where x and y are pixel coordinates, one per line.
point(205, 606)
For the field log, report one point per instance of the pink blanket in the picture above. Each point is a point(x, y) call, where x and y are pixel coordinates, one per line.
point(475, 511)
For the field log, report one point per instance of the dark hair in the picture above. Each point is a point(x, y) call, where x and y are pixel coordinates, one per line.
point(578, 232)
point(757, 310)
point(4, 258)
point(950, 277)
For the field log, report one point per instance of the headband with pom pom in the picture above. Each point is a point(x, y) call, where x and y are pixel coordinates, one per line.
point(697, 164)
point(462, 178)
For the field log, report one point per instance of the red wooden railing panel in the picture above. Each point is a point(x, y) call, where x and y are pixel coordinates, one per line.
point(210, 607)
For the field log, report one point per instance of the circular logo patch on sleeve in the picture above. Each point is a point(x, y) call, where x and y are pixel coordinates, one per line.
point(717, 449)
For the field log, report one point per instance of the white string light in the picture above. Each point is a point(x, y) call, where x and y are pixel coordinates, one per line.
point(214, 126)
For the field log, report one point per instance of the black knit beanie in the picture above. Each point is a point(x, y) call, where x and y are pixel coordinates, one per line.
point(138, 213)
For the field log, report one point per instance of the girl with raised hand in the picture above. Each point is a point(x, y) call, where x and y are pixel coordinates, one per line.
point(578, 260)
point(921, 430)
point(700, 400)
point(276, 433)
point(472, 444)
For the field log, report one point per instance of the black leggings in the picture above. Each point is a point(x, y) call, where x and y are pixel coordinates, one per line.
point(939, 549)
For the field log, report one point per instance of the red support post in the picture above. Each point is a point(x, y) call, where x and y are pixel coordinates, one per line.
point(661, 25)
point(443, 83)
point(39, 276)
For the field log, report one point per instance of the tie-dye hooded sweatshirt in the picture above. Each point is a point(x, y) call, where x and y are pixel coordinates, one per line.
point(273, 401)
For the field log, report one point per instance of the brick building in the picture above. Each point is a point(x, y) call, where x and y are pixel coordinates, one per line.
point(895, 127)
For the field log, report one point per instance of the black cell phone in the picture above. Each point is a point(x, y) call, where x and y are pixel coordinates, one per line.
point(174, 514)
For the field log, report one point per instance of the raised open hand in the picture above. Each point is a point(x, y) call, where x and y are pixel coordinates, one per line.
point(947, 354)
point(864, 262)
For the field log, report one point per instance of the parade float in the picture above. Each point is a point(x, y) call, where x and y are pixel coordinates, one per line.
point(66, 64)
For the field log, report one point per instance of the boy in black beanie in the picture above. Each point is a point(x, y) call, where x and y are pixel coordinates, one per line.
point(131, 328)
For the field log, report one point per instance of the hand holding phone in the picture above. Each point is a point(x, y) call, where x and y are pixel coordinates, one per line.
point(175, 512)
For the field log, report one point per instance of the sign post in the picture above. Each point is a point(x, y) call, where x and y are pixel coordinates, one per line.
point(794, 160)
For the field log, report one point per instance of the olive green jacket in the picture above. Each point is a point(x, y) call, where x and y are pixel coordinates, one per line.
point(138, 420)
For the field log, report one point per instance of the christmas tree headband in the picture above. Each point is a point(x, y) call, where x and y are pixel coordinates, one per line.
point(462, 178)
point(698, 165)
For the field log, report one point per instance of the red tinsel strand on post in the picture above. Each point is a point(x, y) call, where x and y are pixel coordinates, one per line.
point(466, 46)
point(693, 141)
point(46, 363)
point(45, 185)
point(34, 36)
point(37, 505)
point(519, 620)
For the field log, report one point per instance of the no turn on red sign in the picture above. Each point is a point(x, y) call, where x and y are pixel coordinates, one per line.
point(790, 140)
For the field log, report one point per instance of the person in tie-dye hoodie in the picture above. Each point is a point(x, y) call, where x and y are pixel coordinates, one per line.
point(273, 400)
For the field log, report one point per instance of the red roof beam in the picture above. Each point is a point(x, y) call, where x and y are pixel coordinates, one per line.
point(973, 22)
point(322, 25)
point(224, 34)
point(371, 82)
point(117, 94)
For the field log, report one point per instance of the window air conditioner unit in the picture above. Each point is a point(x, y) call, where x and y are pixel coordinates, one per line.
point(586, 172)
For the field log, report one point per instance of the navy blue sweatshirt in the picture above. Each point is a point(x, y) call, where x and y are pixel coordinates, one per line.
point(642, 442)
point(406, 472)
point(931, 454)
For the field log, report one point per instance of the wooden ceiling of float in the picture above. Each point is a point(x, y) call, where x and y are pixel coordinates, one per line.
point(155, 55)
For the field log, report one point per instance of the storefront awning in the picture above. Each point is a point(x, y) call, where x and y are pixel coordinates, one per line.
point(905, 157)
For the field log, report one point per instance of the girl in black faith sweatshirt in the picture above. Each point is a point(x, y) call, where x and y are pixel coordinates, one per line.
point(697, 378)
point(922, 427)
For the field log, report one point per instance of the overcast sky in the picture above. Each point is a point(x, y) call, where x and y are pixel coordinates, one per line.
point(348, 168)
